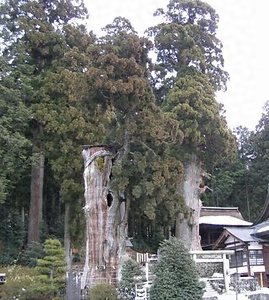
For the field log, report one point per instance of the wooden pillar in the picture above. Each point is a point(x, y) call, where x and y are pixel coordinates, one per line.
point(248, 261)
point(261, 280)
point(226, 274)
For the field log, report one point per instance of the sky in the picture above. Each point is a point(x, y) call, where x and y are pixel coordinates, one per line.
point(243, 30)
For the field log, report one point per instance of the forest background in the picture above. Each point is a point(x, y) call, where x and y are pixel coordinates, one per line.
point(62, 87)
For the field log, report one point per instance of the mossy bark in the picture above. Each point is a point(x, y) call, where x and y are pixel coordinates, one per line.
point(187, 225)
point(104, 222)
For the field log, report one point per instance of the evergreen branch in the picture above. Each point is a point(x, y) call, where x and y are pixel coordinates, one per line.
point(146, 146)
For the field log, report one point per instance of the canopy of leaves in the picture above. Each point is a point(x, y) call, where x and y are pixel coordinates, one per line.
point(41, 50)
point(187, 37)
point(145, 172)
point(188, 72)
point(253, 151)
point(71, 88)
point(30, 256)
point(243, 182)
point(192, 102)
point(14, 120)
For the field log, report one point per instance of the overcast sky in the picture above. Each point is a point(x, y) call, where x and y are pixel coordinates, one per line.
point(243, 30)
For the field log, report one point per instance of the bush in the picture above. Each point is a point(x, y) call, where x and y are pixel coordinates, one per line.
point(103, 291)
point(176, 275)
point(131, 271)
point(51, 270)
point(30, 256)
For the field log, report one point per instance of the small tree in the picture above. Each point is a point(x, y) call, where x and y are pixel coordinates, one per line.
point(51, 268)
point(131, 271)
point(177, 276)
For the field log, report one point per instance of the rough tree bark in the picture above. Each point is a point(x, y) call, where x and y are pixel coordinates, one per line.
point(67, 239)
point(187, 225)
point(36, 201)
point(105, 220)
point(37, 182)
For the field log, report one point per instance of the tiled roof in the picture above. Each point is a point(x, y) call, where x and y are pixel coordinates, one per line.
point(220, 211)
point(261, 230)
point(223, 221)
point(241, 233)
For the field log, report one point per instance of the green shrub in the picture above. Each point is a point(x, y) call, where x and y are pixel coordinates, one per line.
point(176, 275)
point(30, 256)
point(130, 273)
point(103, 291)
point(51, 269)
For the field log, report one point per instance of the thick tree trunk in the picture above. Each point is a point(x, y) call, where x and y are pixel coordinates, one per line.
point(105, 223)
point(36, 201)
point(187, 225)
point(67, 240)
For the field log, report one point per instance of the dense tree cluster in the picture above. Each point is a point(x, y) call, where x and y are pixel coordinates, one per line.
point(244, 182)
point(62, 87)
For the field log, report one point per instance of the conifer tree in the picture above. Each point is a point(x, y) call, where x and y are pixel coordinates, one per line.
point(188, 72)
point(131, 274)
point(176, 275)
point(33, 36)
point(139, 174)
point(51, 269)
point(14, 118)
point(148, 172)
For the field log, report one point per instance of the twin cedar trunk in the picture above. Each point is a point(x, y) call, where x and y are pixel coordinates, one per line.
point(36, 203)
point(104, 221)
point(106, 217)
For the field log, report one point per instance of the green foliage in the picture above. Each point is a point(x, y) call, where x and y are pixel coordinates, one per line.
point(61, 87)
point(14, 120)
point(253, 153)
point(187, 37)
point(33, 252)
point(51, 268)
point(12, 235)
point(20, 283)
point(103, 291)
point(149, 242)
point(131, 274)
point(42, 45)
point(228, 184)
point(243, 182)
point(207, 270)
point(188, 72)
point(176, 274)
point(192, 102)
point(144, 170)
point(256, 159)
